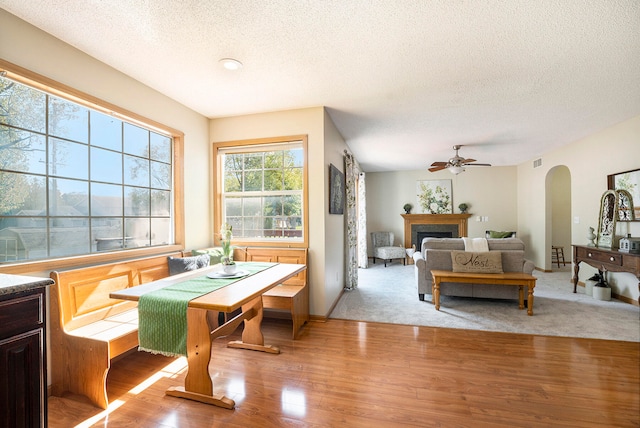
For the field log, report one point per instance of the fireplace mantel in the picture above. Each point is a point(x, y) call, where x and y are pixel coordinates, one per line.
point(410, 219)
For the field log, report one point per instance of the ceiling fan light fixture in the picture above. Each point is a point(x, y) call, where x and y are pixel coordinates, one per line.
point(231, 64)
point(456, 169)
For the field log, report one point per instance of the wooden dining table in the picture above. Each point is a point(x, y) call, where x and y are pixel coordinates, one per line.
point(245, 294)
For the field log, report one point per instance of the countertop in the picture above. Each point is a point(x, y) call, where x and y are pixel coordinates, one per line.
point(10, 284)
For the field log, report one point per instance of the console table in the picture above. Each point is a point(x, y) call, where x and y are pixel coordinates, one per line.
point(604, 260)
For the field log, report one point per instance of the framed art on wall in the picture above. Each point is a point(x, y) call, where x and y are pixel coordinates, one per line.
point(434, 196)
point(336, 190)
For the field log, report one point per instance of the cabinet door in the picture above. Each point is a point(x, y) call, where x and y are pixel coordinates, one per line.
point(22, 380)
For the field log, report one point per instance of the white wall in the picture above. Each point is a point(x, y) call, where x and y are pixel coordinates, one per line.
point(489, 192)
point(335, 225)
point(37, 51)
point(560, 212)
point(589, 161)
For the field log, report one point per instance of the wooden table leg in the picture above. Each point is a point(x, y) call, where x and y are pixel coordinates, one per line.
point(530, 298)
point(198, 385)
point(436, 293)
point(252, 337)
point(521, 296)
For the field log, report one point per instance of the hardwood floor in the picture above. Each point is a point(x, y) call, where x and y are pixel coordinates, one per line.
point(358, 374)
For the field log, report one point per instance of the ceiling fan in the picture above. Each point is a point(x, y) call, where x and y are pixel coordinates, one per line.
point(456, 164)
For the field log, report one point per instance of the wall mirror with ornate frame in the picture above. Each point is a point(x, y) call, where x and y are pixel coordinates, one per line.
point(607, 219)
point(630, 182)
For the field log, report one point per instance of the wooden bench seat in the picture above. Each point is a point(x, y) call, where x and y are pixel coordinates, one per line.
point(292, 296)
point(89, 329)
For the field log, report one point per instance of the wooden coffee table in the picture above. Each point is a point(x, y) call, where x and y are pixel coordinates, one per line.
point(508, 278)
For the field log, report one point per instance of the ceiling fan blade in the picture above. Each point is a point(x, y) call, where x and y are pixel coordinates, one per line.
point(477, 164)
point(468, 160)
point(440, 164)
point(439, 167)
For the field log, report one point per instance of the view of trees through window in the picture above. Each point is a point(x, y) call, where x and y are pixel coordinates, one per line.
point(76, 181)
point(262, 196)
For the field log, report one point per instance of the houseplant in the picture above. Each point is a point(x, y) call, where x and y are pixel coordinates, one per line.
point(601, 290)
point(463, 207)
point(590, 283)
point(407, 208)
point(226, 233)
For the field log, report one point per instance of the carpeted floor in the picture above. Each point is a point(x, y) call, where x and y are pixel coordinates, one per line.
point(390, 295)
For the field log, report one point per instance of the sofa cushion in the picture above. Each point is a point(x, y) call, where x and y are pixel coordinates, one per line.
point(504, 244)
point(458, 244)
point(499, 235)
point(442, 244)
point(179, 265)
point(476, 262)
point(215, 254)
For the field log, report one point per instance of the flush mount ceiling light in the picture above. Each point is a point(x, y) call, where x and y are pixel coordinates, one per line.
point(231, 64)
point(456, 169)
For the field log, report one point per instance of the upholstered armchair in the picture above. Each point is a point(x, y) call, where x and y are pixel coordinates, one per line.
point(382, 243)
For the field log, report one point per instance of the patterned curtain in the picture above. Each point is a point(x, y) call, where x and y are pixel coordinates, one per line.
point(363, 258)
point(356, 242)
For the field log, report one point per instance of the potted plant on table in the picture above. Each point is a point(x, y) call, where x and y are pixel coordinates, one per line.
point(226, 233)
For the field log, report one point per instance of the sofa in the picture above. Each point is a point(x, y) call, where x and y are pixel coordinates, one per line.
point(436, 254)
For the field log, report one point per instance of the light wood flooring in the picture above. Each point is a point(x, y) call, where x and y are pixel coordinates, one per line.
point(359, 374)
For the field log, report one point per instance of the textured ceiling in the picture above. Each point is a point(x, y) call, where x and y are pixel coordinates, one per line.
point(402, 80)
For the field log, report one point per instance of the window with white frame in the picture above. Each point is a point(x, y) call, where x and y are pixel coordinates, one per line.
point(261, 187)
point(77, 181)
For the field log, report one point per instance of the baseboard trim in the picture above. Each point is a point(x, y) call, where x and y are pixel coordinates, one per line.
point(625, 299)
point(618, 296)
point(335, 302)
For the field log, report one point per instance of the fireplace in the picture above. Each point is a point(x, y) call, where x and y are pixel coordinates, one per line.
point(417, 226)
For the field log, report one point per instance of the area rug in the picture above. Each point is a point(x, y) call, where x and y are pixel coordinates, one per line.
point(389, 295)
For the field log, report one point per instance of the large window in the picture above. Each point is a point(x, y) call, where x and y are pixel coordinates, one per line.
point(261, 190)
point(75, 180)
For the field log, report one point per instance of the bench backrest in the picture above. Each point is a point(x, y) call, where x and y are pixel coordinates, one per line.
point(279, 255)
point(81, 296)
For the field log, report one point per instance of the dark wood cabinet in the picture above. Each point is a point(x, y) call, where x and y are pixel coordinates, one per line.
point(23, 364)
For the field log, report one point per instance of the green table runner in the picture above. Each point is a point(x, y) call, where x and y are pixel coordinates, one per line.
point(162, 314)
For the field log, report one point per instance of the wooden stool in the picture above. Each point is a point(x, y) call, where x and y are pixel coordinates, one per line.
point(557, 255)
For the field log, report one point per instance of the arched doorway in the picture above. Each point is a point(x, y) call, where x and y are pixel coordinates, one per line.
point(558, 215)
